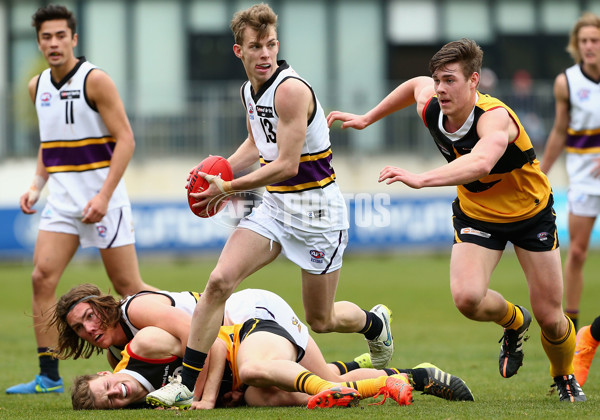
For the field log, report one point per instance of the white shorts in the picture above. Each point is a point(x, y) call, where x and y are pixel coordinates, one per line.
point(262, 304)
point(583, 204)
point(114, 230)
point(315, 252)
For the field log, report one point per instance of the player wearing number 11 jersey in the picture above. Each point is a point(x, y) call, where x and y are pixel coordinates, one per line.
point(86, 144)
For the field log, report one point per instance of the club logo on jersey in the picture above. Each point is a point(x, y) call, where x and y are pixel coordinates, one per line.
point(70, 94)
point(471, 231)
point(296, 323)
point(264, 111)
point(101, 231)
point(250, 111)
point(542, 236)
point(317, 256)
point(583, 94)
point(45, 98)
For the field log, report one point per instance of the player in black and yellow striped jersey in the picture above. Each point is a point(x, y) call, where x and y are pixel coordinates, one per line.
point(502, 197)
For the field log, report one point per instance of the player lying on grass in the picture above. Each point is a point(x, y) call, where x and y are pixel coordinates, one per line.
point(95, 327)
point(262, 358)
point(88, 320)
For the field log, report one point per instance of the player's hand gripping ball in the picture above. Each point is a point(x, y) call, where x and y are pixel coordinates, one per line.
point(212, 165)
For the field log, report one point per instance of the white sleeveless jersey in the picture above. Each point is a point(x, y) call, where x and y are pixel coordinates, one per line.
point(311, 200)
point(76, 145)
point(239, 307)
point(583, 134)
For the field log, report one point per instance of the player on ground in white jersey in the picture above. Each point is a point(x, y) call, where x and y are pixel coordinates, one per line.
point(86, 144)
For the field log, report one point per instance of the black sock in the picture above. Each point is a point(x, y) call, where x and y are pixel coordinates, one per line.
point(595, 329)
point(419, 377)
point(48, 363)
point(373, 326)
point(574, 315)
point(193, 361)
point(345, 367)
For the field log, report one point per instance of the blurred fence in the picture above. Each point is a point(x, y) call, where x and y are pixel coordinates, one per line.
point(213, 122)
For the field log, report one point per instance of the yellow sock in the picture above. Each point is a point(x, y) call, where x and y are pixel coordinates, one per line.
point(513, 318)
point(367, 387)
point(561, 351)
point(311, 384)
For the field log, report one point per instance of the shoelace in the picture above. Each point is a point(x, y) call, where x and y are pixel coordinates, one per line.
point(382, 391)
point(518, 341)
point(564, 389)
point(438, 390)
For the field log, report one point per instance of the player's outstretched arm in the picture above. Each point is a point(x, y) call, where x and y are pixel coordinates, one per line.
point(418, 89)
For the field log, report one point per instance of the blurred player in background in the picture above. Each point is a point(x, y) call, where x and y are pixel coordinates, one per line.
point(588, 338)
point(86, 144)
point(303, 213)
point(502, 196)
point(576, 130)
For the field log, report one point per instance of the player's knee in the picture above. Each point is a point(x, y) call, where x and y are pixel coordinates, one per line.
point(127, 287)
point(554, 326)
point(42, 283)
point(219, 287)
point(466, 303)
point(577, 255)
point(319, 325)
point(252, 373)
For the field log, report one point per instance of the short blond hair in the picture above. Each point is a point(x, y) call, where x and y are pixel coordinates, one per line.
point(82, 397)
point(259, 17)
point(587, 19)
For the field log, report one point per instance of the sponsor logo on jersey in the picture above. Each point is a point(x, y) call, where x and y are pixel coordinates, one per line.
point(101, 231)
point(317, 256)
point(542, 236)
point(471, 231)
point(70, 94)
point(45, 98)
point(317, 214)
point(583, 94)
point(264, 111)
point(250, 111)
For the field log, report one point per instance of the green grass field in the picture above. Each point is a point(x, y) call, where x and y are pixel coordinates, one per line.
point(427, 327)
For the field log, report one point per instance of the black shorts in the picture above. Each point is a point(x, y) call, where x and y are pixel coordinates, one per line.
point(536, 234)
point(267, 325)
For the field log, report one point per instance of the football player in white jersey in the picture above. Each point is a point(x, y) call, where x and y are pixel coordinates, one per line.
point(576, 130)
point(303, 214)
point(86, 144)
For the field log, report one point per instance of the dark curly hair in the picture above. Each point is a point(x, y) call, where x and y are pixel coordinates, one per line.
point(105, 306)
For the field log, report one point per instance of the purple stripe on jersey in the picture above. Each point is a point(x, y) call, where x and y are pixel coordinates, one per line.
point(83, 155)
point(583, 141)
point(310, 171)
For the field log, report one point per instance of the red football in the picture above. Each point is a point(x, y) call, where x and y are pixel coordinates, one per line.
point(212, 165)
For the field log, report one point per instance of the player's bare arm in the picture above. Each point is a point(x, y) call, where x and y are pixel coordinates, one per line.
point(215, 365)
point(409, 92)
point(558, 135)
point(31, 196)
point(495, 130)
point(245, 156)
point(103, 94)
point(164, 316)
point(293, 103)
